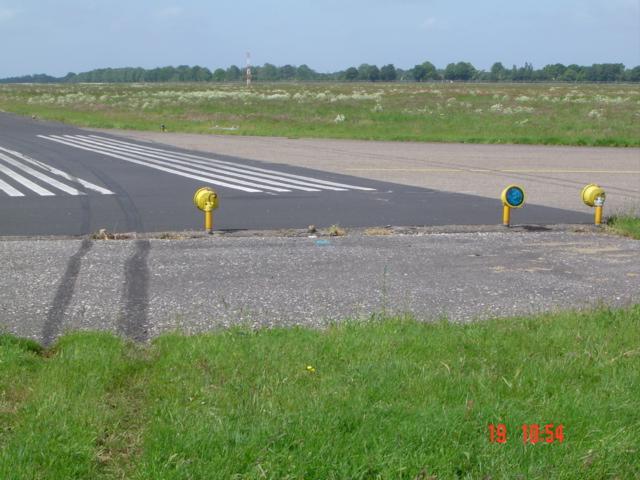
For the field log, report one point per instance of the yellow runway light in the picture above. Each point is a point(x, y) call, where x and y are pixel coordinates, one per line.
point(207, 201)
point(594, 196)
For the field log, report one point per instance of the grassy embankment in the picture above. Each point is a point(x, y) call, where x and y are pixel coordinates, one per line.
point(625, 224)
point(607, 115)
point(383, 399)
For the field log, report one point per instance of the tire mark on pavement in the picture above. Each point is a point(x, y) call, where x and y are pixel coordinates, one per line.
point(64, 294)
point(66, 287)
point(133, 318)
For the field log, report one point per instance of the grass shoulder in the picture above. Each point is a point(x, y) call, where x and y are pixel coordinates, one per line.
point(627, 225)
point(382, 398)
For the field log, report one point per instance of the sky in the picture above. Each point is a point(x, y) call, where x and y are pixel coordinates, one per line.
point(60, 36)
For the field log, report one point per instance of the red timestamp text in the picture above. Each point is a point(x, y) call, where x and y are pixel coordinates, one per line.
point(532, 433)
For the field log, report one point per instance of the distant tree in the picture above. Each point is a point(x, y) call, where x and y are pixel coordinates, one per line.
point(523, 74)
point(482, 76)
point(287, 72)
point(304, 73)
point(351, 74)
point(233, 74)
point(498, 72)
point(554, 72)
point(363, 72)
point(419, 73)
point(600, 72)
point(425, 71)
point(569, 75)
point(633, 75)
point(450, 72)
point(388, 73)
point(200, 74)
point(432, 72)
point(268, 73)
point(465, 71)
point(459, 71)
point(605, 72)
point(374, 73)
point(218, 75)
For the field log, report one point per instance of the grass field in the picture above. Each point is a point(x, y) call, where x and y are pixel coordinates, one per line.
point(607, 115)
point(380, 399)
point(627, 225)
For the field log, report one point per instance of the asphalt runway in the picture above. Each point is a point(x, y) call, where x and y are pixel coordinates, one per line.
point(60, 180)
point(552, 176)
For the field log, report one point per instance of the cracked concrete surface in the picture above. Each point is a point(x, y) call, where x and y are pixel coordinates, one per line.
point(199, 284)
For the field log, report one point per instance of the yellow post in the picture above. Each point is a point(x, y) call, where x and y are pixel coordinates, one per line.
point(506, 215)
point(512, 197)
point(594, 196)
point(598, 215)
point(207, 201)
point(208, 220)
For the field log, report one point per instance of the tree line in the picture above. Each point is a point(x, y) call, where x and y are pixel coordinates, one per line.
point(424, 72)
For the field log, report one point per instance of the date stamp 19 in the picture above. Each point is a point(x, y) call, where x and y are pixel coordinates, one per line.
point(532, 433)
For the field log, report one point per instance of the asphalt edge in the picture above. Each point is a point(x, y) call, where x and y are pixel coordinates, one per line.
point(333, 231)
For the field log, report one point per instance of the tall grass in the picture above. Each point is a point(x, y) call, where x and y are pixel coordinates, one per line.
point(389, 398)
point(600, 115)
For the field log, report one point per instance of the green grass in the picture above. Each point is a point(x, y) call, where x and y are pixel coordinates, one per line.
point(388, 398)
point(598, 115)
point(625, 224)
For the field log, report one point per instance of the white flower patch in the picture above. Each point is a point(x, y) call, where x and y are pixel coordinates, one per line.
point(605, 99)
point(520, 109)
point(499, 108)
point(339, 118)
point(595, 114)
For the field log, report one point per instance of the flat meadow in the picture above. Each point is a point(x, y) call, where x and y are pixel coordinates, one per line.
point(383, 398)
point(562, 114)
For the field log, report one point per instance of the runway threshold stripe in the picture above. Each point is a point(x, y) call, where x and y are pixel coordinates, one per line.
point(25, 181)
point(63, 141)
point(60, 173)
point(97, 147)
point(46, 179)
point(177, 163)
point(223, 167)
point(253, 169)
point(9, 190)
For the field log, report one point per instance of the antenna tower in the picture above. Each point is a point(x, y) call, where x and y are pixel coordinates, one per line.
point(248, 69)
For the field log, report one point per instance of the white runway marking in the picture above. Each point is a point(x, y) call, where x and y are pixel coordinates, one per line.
point(60, 173)
point(34, 173)
point(38, 171)
point(25, 181)
point(157, 167)
point(213, 171)
point(9, 190)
